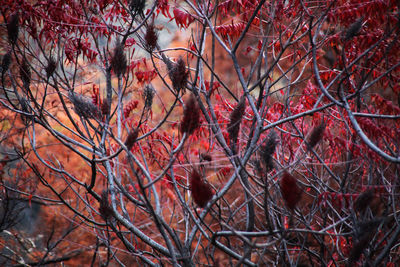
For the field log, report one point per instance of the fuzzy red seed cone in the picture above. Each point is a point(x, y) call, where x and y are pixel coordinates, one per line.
point(363, 200)
point(131, 138)
point(105, 210)
point(137, 6)
point(235, 120)
point(201, 191)
point(291, 192)
point(51, 67)
point(104, 107)
point(6, 62)
point(25, 73)
point(150, 38)
point(118, 60)
point(13, 28)
point(353, 30)
point(205, 156)
point(84, 107)
point(316, 135)
point(148, 95)
point(268, 150)
point(191, 116)
point(179, 75)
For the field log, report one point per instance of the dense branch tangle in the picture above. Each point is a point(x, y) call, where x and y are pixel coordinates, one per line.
point(270, 138)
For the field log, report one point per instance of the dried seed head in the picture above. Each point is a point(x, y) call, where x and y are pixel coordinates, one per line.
point(201, 191)
point(148, 95)
point(291, 192)
point(24, 105)
point(150, 38)
point(268, 150)
point(84, 107)
point(179, 75)
point(258, 168)
point(118, 60)
point(105, 209)
point(105, 107)
point(51, 67)
point(137, 6)
point(363, 200)
point(205, 156)
point(353, 29)
point(6, 62)
point(10, 209)
point(358, 248)
point(25, 73)
point(316, 135)
point(13, 28)
point(235, 120)
point(191, 116)
point(131, 138)
point(363, 233)
point(367, 227)
point(93, 10)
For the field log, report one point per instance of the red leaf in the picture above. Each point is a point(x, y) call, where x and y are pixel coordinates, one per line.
point(182, 18)
point(231, 30)
point(129, 107)
point(163, 6)
point(129, 42)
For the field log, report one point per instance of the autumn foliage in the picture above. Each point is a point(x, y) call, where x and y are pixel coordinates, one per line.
point(200, 133)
